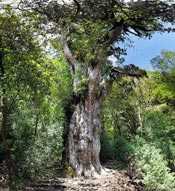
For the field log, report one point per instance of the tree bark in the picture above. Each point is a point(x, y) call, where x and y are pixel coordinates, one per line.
point(7, 152)
point(85, 130)
point(84, 139)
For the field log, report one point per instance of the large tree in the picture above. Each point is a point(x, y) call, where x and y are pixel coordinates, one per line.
point(89, 31)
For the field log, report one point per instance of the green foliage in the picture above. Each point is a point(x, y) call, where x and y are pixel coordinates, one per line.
point(82, 86)
point(164, 90)
point(37, 125)
point(86, 37)
point(123, 149)
point(60, 81)
point(165, 64)
point(44, 156)
point(160, 131)
point(36, 138)
point(151, 162)
point(107, 147)
point(117, 148)
point(125, 100)
point(35, 87)
point(153, 146)
point(153, 126)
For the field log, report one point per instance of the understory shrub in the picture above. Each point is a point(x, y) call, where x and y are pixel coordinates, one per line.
point(107, 147)
point(118, 148)
point(122, 149)
point(44, 157)
point(153, 165)
point(36, 140)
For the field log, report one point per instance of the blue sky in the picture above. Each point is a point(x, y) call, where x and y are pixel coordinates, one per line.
point(146, 49)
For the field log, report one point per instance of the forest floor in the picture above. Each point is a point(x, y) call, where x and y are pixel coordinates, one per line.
point(116, 179)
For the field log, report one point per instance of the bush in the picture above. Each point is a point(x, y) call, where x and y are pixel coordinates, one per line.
point(122, 149)
point(35, 140)
point(158, 127)
point(154, 167)
point(114, 149)
point(44, 156)
point(107, 147)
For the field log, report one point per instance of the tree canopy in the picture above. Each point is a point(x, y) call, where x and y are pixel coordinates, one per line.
point(95, 25)
point(165, 64)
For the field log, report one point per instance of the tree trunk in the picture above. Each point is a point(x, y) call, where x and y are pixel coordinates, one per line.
point(4, 111)
point(8, 159)
point(84, 139)
point(85, 129)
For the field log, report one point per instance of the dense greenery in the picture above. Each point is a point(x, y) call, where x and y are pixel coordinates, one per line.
point(31, 82)
point(38, 92)
point(138, 121)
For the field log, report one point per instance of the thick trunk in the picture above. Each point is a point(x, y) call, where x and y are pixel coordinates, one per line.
point(84, 139)
point(85, 129)
point(83, 136)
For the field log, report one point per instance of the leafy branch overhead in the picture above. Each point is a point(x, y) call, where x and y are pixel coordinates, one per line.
point(102, 23)
point(129, 70)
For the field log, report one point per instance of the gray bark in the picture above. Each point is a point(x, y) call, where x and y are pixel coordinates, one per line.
point(84, 139)
point(84, 129)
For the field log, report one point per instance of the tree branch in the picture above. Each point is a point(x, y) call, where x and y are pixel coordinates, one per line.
point(78, 7)
point(129, 70)
point(72, 61)
point(113, 34)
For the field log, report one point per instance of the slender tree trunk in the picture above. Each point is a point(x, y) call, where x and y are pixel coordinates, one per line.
point(36, 127)
point(8, 159)
point(4, 111)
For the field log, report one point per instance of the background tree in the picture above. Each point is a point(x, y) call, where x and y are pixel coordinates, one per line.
point(13, 50)
point(88, 31)
point(155, 132)
point(28, 81)
point(122, 112)
point(165, 66)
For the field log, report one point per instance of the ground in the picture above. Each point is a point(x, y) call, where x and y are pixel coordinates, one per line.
point(115, 179)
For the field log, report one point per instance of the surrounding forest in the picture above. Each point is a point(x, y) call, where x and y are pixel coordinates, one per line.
point(67, 111)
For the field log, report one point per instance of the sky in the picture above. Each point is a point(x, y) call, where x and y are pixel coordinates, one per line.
point(144, 50)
